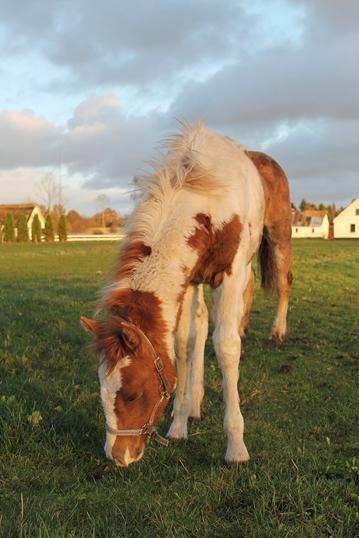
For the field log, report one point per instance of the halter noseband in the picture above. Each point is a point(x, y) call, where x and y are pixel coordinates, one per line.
point(149, 428)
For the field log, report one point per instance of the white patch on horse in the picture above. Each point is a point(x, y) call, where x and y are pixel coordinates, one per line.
point(110, 384)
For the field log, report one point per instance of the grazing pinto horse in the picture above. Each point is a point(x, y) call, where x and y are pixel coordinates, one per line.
point(206, 210)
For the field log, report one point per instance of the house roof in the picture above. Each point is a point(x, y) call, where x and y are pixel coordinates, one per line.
point(308, 217)
point(16, 210)
point(346, 210)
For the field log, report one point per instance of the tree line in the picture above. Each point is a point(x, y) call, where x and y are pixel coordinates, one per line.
point(330, 209)
point(8, 233)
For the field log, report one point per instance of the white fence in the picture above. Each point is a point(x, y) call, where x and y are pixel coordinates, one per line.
point(95, 237)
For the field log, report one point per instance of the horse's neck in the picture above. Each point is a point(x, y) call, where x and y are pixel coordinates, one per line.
point(162, 274)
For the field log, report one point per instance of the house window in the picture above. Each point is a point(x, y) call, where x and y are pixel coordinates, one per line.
point(296, 230)
point(352, 228)
point(312, 230)
point(357, 211)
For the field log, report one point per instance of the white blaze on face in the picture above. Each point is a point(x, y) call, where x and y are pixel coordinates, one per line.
point(110, 384)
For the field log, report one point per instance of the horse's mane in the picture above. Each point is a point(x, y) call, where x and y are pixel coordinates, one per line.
point(189, 162)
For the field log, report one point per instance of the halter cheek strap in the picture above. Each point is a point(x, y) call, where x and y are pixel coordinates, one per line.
point(149, 429)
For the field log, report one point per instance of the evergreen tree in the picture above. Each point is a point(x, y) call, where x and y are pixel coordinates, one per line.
point(49, 230)
point(62, 229)
point(22, 230)
point(303, 204)
point(9, 229)
point(36, 231)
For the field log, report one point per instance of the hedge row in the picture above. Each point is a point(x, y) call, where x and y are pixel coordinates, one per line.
point(8, 232)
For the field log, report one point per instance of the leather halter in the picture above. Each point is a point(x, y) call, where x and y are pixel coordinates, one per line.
point(148, 428)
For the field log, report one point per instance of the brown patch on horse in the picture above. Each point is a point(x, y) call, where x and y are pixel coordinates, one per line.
point(216, 250)
point(141, 309)
point(134, 252)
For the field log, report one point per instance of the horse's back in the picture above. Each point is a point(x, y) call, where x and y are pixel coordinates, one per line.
point(228, 167)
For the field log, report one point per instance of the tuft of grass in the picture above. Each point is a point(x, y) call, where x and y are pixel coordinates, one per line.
point(299, 404)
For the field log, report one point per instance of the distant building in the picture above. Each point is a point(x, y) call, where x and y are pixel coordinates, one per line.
point(346, 224)
point(30, 210)
point(310, 223)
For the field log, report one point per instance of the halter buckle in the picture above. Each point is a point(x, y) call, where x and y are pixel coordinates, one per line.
point(158, 438)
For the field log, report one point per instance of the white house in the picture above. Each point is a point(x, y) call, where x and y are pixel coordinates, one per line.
point(310, 223)
point(30, 210)
point(346, 224)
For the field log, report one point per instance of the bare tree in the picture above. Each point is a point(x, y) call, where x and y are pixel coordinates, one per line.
point(104, 202)
point(46, 191)
point(51, 195)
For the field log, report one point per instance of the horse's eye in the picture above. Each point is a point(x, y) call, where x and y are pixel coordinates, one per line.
point(133, 397)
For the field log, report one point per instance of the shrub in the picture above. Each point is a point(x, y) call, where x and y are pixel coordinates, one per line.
point(49, 232)
point(36, 231)
point(62, 229)
point(9, 229)
point(22, 230)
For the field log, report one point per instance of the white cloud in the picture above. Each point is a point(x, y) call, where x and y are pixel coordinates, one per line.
point(281, 75)
point(27, 140)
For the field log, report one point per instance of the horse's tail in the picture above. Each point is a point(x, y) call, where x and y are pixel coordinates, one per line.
point(267, 262)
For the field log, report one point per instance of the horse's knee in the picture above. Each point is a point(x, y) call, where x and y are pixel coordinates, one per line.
point(227, 347)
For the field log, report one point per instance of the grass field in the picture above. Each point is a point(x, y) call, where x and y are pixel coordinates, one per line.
point(299, 408)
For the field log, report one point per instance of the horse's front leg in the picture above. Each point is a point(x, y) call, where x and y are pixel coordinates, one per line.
point(228, 308)
point(182, 402)
point(199, 332)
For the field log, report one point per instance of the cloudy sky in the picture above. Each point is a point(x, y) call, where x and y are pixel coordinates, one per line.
point(88, 88)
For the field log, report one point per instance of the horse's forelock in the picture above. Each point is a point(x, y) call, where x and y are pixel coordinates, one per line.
point(114, 342)
point(111, 344)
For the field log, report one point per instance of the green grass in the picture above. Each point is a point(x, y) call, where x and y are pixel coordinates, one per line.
point(298, 403)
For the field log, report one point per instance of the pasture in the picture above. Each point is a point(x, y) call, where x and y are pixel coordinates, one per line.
point(298, 403)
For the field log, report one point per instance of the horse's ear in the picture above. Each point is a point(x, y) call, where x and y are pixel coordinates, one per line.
point(130, 335)
point(90, 325)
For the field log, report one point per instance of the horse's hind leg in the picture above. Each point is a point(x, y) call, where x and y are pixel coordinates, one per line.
point(190, 340)
point(277, 241)
point(275, 248)
point(248, 302)
point(282, 253)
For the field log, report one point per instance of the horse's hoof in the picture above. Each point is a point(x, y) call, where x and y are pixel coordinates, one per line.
point(176, 440)
point(275, 340)
point(177, 434)
point(238, 455)
point(240, 461)
point(194, 419)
